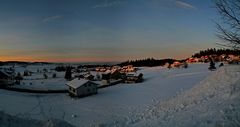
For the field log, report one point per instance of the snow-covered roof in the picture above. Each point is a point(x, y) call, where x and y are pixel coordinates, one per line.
point(132, 74)
point(113, 71)
point(77, 83)
point(5, 73)
point(87, 75)
point(107, 72)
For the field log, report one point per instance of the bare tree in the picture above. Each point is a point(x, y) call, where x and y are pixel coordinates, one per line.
point(229, 26)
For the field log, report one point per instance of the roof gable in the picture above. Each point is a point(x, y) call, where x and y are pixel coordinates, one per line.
point(76, 83)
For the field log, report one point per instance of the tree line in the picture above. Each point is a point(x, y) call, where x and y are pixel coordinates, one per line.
point(149, 62)
point(218, 52)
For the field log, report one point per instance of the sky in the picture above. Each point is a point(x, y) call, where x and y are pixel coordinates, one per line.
point(104, 30)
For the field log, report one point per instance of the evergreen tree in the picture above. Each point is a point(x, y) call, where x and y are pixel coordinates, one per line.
point(68, 74)
point(25, 73)
point(18, 78)
point(185, 65)
point(212, 65)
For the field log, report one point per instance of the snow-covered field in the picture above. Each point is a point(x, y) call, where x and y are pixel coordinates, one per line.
point(37, 80)
point(176, 97)
point(214, 102)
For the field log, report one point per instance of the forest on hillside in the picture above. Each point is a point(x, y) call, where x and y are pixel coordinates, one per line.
point(214, 51)
point(149, 62)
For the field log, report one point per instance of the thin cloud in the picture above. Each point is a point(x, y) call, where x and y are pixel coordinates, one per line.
point(108, 3)
point(184, 5)
point(51, 18)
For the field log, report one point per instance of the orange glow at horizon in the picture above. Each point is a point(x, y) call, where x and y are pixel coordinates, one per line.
point(83, 59)
point(33, 56)
point(34, 59)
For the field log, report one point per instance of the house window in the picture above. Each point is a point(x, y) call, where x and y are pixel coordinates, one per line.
point(88, 90)
point(74, 90)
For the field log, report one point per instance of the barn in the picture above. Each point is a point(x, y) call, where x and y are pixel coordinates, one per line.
point(82, 87)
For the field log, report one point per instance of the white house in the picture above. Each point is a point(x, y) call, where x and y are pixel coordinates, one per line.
point(82, 87)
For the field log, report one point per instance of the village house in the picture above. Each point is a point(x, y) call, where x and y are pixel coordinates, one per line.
point(192, 60)
point(134, 78)
point(116, 68)
point(106, 76)
point(6, 78)
point(205, 59)
point(115, 74)
point(233, 59)
point(82, 87)
point(128, 68)
point(176, 64)
point(100, 69)
point(79, 74)
point(89, 76)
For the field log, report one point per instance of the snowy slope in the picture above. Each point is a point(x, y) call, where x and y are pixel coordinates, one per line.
point(13, 121)
point(116, 103)
point(213, 102)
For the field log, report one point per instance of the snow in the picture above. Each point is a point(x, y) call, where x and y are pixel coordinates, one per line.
point(213, 102)
point(44, 84)
point(37, 80)
point(165, 98)
point(13, 121)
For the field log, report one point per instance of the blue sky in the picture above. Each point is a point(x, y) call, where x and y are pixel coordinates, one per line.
point(104, 30)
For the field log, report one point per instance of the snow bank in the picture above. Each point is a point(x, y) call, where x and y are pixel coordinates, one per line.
point(213, 102)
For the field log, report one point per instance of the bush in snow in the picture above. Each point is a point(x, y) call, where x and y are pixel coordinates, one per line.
point(54, 75)
point(26, 73)
point(45, 76)
point(221, 64)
